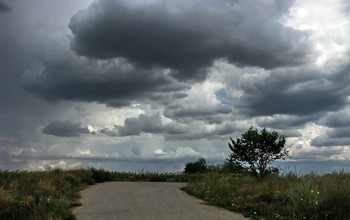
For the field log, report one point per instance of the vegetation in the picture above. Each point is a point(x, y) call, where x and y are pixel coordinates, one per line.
point(197, 167)
point(50, 194)
point(40, 195)
point(277, 197)
point(258, 149)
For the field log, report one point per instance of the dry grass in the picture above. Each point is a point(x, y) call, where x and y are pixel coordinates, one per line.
point(278, 197)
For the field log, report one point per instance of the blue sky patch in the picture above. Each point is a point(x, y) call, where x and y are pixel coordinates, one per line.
point(221, 95)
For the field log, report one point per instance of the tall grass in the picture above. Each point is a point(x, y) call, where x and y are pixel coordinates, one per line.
point(50, 194)
point(40, 195)
point(278, 197)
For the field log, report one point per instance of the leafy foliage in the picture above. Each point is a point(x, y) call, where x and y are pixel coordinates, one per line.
point(197, 167)
point(258, 149)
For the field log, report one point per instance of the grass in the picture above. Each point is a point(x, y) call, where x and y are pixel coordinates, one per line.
point(41, 195)
point(277, 197)
point(51, 194)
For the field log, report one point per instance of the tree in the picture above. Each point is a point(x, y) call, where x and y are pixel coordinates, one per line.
point(197, 167)
point(258, 149)
point(231, 166)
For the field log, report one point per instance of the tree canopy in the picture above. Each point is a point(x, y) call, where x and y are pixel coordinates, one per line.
point(196, 167)
point(258, 149)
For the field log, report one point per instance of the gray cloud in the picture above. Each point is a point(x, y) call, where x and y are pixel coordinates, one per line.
point(285, 121)
point(188, 37)
point(339, 132)
point(4, 7)
point(109, 132)
point(197, 131)
point(339, 136)
point(292, 91)
point(337, 119)
point(185, 112)
point(175, 131)
point(324, 141)
point(113, 82)
point(65, 129)
point(148, 124)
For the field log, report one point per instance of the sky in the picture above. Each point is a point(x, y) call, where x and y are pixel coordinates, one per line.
point(153, 84)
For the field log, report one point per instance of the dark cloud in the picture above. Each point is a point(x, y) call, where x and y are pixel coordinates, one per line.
point(187, 112)
point(292, 91)
point(65, 129)
point(199, 131)
point(109, 132)
point(337, 119)
point(113, 82)
point(324, 141)
point(334, 137)
point(339, 132)
point(286, 121)
point(148, 124)
point(188, 37)
point(174, 131)
point(4, 7)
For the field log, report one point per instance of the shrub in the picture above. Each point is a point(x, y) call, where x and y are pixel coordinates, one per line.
point(197, 167)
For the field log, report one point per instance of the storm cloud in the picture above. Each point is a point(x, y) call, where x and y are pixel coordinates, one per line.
point(148, 124)
point(65, 129)
point(4, 7)
point(188, 112)
point(115, 83)
point(292, 91)
point(188, 36)
point(156, 124)
point(127, 85)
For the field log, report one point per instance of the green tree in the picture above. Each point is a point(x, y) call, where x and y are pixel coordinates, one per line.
point(197, 167)
point(258, 149)
point(231, 166)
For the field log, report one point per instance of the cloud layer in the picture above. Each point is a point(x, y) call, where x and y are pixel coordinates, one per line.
point(152, 84)
point(188, 37)
point(65, 129)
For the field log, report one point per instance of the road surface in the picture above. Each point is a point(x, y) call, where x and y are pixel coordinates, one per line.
point(145, 201)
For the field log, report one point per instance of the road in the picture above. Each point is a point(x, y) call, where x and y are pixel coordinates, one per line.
point(145, 201)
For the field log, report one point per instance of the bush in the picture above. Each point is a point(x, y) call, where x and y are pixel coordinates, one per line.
point(101, 175)
point(197, 167)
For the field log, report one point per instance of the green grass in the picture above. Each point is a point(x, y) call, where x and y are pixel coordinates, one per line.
point(51, 194)
point(277, 197)
point(41, 195)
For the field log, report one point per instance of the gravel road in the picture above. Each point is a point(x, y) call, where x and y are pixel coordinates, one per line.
point(145, 201)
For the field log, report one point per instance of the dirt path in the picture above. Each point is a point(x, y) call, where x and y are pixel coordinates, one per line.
point(145, 201)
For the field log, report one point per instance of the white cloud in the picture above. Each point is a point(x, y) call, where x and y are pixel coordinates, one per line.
point(327, 24)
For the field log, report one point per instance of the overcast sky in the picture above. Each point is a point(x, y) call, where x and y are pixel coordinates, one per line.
point(153, 84)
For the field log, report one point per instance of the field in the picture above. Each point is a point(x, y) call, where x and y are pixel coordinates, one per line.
point(278, 197)
point(51, 194)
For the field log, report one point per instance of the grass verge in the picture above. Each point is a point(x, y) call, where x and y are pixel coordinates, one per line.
point(51, 194)
point(277, 197)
